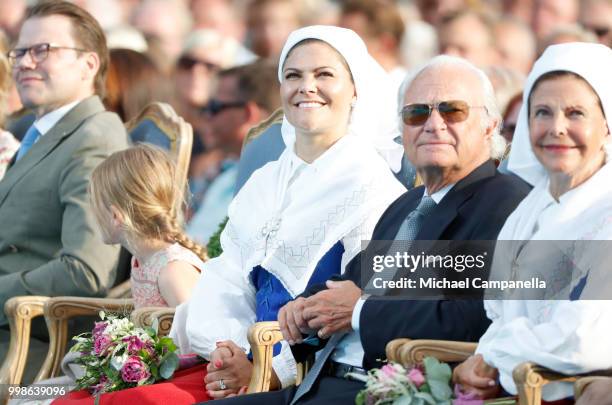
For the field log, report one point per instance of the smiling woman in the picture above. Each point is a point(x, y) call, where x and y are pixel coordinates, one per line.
point(562, 147)
point(568, 129)
point(317, 92)
point(298, 220)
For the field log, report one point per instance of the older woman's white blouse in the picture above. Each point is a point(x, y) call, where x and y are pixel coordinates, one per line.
point(567, 336)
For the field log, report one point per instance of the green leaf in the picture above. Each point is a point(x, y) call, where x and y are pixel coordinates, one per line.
point(360, 399)
point(426, 397)
point(440, 391)
point(405, 399)
point(102, 315)
point(434, 370)
point(155, 326)
point(214, 249)
point(168, 343)
point(168, 366)
point(154, 371)
point(151, 332)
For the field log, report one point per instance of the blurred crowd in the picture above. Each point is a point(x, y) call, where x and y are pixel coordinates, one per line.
point(185, 52)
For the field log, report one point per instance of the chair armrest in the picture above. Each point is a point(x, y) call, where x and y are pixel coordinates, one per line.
point(262, 337)
point(530, 378)
point(20, 311)
point(58, 310)
point(581, 384)
point(144, 317)
point(409, 352)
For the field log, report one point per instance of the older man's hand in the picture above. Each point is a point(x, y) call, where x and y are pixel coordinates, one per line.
point(291, 321)
point(597, 393)
point(475, 375)
point(330, 311)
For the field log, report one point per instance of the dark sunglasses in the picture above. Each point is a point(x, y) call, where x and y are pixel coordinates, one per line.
point(451, 111)
point(214, 107)
point(187, 63)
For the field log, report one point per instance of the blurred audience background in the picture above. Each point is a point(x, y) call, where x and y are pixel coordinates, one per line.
point(174, 50)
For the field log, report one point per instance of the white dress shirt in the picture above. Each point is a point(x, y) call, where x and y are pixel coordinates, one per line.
point(350, 349)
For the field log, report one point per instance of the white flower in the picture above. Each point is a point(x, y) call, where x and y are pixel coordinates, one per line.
point(117, 362)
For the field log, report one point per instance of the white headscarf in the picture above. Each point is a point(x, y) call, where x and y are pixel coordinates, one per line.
point(374, 115)
point(592, 62)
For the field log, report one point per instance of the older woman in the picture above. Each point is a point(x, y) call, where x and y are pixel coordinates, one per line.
point(298, 220)
point(562, 147)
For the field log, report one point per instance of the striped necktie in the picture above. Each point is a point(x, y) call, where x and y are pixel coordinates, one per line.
point(412, 224)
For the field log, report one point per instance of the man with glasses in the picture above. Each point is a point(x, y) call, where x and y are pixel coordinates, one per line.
point(449, 121)
point(243, 97)
point(49, 244)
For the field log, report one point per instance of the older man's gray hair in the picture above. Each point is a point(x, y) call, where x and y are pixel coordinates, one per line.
point(491, 117)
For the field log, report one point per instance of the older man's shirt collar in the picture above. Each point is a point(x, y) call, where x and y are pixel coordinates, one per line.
point(439, 195)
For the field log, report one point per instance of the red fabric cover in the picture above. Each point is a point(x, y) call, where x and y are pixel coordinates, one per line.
point(186, 387)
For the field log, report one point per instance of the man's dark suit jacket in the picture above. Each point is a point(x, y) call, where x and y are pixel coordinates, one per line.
point(474, 209)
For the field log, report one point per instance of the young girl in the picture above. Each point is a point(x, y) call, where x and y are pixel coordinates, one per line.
point(137, 204)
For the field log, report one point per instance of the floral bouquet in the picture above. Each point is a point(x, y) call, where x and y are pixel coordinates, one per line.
point(118, 355)
point(429, 384)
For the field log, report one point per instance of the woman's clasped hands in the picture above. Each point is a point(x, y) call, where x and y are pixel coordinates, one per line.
point(229, 371)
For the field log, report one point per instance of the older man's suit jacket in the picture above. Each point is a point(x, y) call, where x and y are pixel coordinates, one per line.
point(49, 242)
point(474, 209)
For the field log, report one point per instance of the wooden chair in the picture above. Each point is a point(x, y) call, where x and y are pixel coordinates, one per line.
point(528, 377)
point(262, 144)
point(158, 123)
point(262, 337)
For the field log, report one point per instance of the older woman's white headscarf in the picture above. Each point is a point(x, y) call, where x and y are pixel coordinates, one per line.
point(592, 62)
point(374, 115)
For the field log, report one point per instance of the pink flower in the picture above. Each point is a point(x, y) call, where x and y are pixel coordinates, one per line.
point(134, 370)
point(101, 344)
point(388, 370)
point(463, 398)
point(416, 376)
point(134, 344)
point(101, 385)
point(99, 328)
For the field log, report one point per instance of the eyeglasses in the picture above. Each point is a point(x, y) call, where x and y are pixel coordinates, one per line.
point(214, 107)
point(451, 111)
point(187, 63)
point(38, 52)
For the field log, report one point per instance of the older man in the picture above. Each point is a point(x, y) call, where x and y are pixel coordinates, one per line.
point(49, 244)
point(450, 119)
